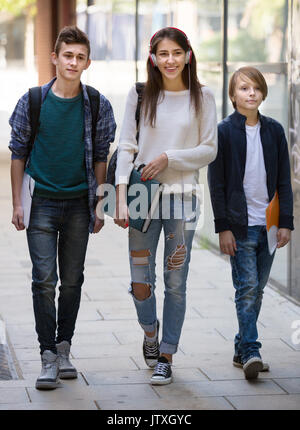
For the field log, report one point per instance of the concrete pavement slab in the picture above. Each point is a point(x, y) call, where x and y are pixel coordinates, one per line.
point(96, 392)
point(13, 395)
point(219, 388)
point(59, 405)
point(139, 376)
point(290, 385)
point(200, 403)
point(274, 403)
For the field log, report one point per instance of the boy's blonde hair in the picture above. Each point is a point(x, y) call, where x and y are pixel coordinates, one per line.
point(251, 73)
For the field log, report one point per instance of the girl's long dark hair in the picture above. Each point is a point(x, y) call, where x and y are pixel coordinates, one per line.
point(154, 84)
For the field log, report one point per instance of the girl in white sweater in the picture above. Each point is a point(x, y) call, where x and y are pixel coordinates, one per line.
point(177, 136)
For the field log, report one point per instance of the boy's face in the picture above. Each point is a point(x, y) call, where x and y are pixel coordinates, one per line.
point(247, 95)
point(71, 61)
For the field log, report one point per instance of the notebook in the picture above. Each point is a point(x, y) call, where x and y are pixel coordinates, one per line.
point(272, 222)
point(26, 197)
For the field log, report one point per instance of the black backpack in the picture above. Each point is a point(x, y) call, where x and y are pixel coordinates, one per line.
point(35, 103)
point(111, 169)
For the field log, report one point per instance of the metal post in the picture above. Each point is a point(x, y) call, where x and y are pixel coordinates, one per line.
point(224, 57)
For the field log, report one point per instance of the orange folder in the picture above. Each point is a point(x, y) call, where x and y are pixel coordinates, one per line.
point(272, 222)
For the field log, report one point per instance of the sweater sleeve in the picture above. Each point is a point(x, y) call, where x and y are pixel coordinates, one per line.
point(127, 144)
point(20, 129)
point(206, 150)
point(285, 193)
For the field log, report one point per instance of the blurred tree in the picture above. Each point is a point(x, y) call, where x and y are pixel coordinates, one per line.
point(242, 47)
point(28, 9)
point(17, 7)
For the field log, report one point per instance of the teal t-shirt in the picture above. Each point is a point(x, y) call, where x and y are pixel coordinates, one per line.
point(57, 161)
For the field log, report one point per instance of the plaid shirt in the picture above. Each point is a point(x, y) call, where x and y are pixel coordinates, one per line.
point(105, 134)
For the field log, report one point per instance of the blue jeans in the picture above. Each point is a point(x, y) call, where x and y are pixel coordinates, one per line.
point(251, 267)
point(58, 230)
point(178, 237)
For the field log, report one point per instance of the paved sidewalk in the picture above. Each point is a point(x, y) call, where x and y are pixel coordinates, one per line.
point(107, 343)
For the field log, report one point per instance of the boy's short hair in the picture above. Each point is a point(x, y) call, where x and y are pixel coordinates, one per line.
point(72, 34)
point(251, 73)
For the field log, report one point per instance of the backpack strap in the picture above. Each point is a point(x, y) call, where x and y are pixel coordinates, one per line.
point(94, 97)
point(35, 102)
point(139, 89)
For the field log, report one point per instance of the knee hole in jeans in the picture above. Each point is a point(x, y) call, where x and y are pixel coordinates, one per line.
point(140, 258)
point(141, 291)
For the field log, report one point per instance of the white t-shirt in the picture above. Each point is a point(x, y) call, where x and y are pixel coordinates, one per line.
point(189, 141)
point(255, 178)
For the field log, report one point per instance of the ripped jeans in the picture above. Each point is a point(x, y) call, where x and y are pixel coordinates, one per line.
point(178, 238)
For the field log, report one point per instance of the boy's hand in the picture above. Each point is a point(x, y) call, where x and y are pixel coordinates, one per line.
point(17, 219)
point(283, 237)
point(227, 243)
point(99, 223)
point(155, 166)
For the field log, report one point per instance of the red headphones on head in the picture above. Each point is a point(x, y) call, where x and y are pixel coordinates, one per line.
point(188, 55)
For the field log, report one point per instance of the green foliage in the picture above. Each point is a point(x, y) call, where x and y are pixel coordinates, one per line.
point(17, 7)
point(211, 50)
point(243, 47)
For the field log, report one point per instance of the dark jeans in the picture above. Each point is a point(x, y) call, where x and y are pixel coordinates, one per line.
point(251, 267)
point(58, 230)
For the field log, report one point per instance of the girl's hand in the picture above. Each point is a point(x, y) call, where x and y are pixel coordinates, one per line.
point(121, 217)
point(155, 166)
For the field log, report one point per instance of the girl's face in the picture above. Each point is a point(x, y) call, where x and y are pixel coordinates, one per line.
point(170, 59)
point(247, 95)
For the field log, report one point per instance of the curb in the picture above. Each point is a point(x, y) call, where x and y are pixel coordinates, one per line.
point(7, 367)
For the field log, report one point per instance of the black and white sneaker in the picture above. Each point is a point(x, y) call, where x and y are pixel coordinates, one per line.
point(151, 350)
point(237, 362)
point(252, 367)
point(162, 374)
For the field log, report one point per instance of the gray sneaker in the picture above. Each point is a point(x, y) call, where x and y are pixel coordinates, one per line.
point(66, 368)
point(48, 379)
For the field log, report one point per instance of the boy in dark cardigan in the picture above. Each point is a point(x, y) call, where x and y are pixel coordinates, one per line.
point(252, 163)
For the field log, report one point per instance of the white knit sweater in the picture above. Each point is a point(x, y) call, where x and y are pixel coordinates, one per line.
point(189, 141)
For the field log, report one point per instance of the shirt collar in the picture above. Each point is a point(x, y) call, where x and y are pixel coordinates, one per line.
point(239, 120)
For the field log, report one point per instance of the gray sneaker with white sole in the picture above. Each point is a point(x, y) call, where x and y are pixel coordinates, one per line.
point(48, 379)
point(66, 368)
